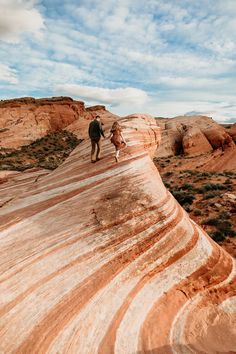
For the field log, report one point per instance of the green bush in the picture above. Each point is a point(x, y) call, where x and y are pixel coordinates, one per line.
point(217, 236)
point(187, 186)
point(183, 197)
point(212, 187)
point(223, 226)
point(210, 195)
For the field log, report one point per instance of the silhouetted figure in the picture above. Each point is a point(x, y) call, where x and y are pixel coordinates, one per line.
point(95, 132)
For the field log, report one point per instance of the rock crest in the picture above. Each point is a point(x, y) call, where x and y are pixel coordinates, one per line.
point(100, 258)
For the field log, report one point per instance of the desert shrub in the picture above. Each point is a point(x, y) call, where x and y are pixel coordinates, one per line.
point(49, 165)
point(229, 173)
point(212, 194)
point(197, 212)
point(191, 172)
point(224, 215)
point(217, 236)
point(211, 222)
point(39, 151)
point(168, 174)
point(227, 181)
point(167, 185)
point(212, 186)
point(204, 174)
point(12, 153)
point(187, 186)
point(187, 207)
point(222, 225)
point(225, 227)
point(183, 197)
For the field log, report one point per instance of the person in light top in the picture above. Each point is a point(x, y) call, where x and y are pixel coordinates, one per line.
point(117, 139)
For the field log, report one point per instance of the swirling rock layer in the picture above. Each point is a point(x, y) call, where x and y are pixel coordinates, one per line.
point(100, 258)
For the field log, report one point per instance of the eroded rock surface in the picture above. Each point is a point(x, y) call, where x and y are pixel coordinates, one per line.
point(26, 119)
point(192, 136)
point(195, 142)
point(100, 258)
point(232, 132)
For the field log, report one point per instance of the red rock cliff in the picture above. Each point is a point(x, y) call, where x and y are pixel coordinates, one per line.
point(27, 119)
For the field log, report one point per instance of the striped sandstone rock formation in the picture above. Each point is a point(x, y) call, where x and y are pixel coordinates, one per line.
point(100, 258)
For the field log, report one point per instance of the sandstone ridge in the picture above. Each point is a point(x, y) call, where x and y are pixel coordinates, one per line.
point(100, 258)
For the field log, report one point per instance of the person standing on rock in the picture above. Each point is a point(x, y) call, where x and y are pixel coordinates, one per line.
point(95, 132)
point(117, 139)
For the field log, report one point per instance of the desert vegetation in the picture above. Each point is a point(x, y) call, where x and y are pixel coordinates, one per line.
point(207, 196)
point(48, 152)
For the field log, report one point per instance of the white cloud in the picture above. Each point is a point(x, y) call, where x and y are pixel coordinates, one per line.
point(180, 62)
point(129, 100)
point(114, 97)
point(7, 74)
point(179, 52)
point(17, 17)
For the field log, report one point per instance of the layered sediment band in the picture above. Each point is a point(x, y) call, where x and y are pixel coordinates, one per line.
point(100, 258)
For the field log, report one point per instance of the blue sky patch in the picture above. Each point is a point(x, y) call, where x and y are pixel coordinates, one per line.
point(163, 57)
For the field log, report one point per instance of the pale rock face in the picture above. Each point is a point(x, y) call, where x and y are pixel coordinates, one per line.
point(100, 258)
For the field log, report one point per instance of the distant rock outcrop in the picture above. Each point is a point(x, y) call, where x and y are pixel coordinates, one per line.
point(194, 141)
point(100, 258)
point(96, 108)
point(218, 137)
point(232, 132)
point(191, 136)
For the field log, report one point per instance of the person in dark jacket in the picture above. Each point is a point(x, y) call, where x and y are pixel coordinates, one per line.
point(95, 132)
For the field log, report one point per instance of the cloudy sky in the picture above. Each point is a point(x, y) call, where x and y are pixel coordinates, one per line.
point(163, 57)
